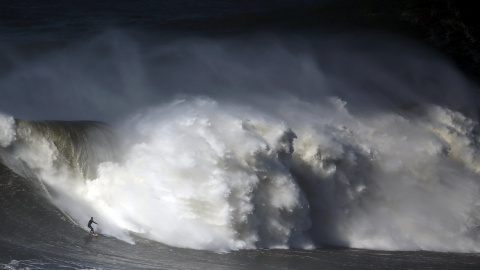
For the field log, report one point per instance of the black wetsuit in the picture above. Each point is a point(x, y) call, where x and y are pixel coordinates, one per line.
point(90, 225)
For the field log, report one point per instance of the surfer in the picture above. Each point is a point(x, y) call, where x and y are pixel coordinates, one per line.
point(90, 225)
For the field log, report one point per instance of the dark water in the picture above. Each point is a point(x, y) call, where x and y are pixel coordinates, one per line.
point(345, 149)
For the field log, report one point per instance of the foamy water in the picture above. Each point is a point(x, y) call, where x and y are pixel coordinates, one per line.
point(7, 130)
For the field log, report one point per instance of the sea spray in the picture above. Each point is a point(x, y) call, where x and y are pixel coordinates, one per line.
point(232, 177)
point(208, 176)
point(7, 130)
point(58, 157)
point(388, 181)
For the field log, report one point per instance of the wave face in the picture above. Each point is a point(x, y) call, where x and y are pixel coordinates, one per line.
point(278, 144)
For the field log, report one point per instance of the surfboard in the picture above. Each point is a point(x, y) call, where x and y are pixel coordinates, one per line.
point(95, 234)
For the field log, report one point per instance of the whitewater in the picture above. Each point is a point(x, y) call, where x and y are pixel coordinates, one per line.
point(272, 143)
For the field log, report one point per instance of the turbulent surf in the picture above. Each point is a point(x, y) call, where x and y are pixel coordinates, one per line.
point(387, 165)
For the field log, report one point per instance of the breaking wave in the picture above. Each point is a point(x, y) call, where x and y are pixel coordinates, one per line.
point(340, 162)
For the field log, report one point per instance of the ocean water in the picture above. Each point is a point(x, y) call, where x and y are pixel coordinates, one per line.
point(210, 135)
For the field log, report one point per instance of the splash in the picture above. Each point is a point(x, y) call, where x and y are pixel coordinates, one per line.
point(211, 175)
point(390, 181)
point(201, 175)
point(7, 130)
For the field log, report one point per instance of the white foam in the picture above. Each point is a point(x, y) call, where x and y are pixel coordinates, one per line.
point(389, 182)
point(7, 130)
point(201, 175)
point(211, 175)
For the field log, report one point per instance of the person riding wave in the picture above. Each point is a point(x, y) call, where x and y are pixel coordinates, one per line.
point(90, 225)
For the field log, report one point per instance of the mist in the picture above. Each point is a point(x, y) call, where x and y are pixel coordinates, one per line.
point(110, 76)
